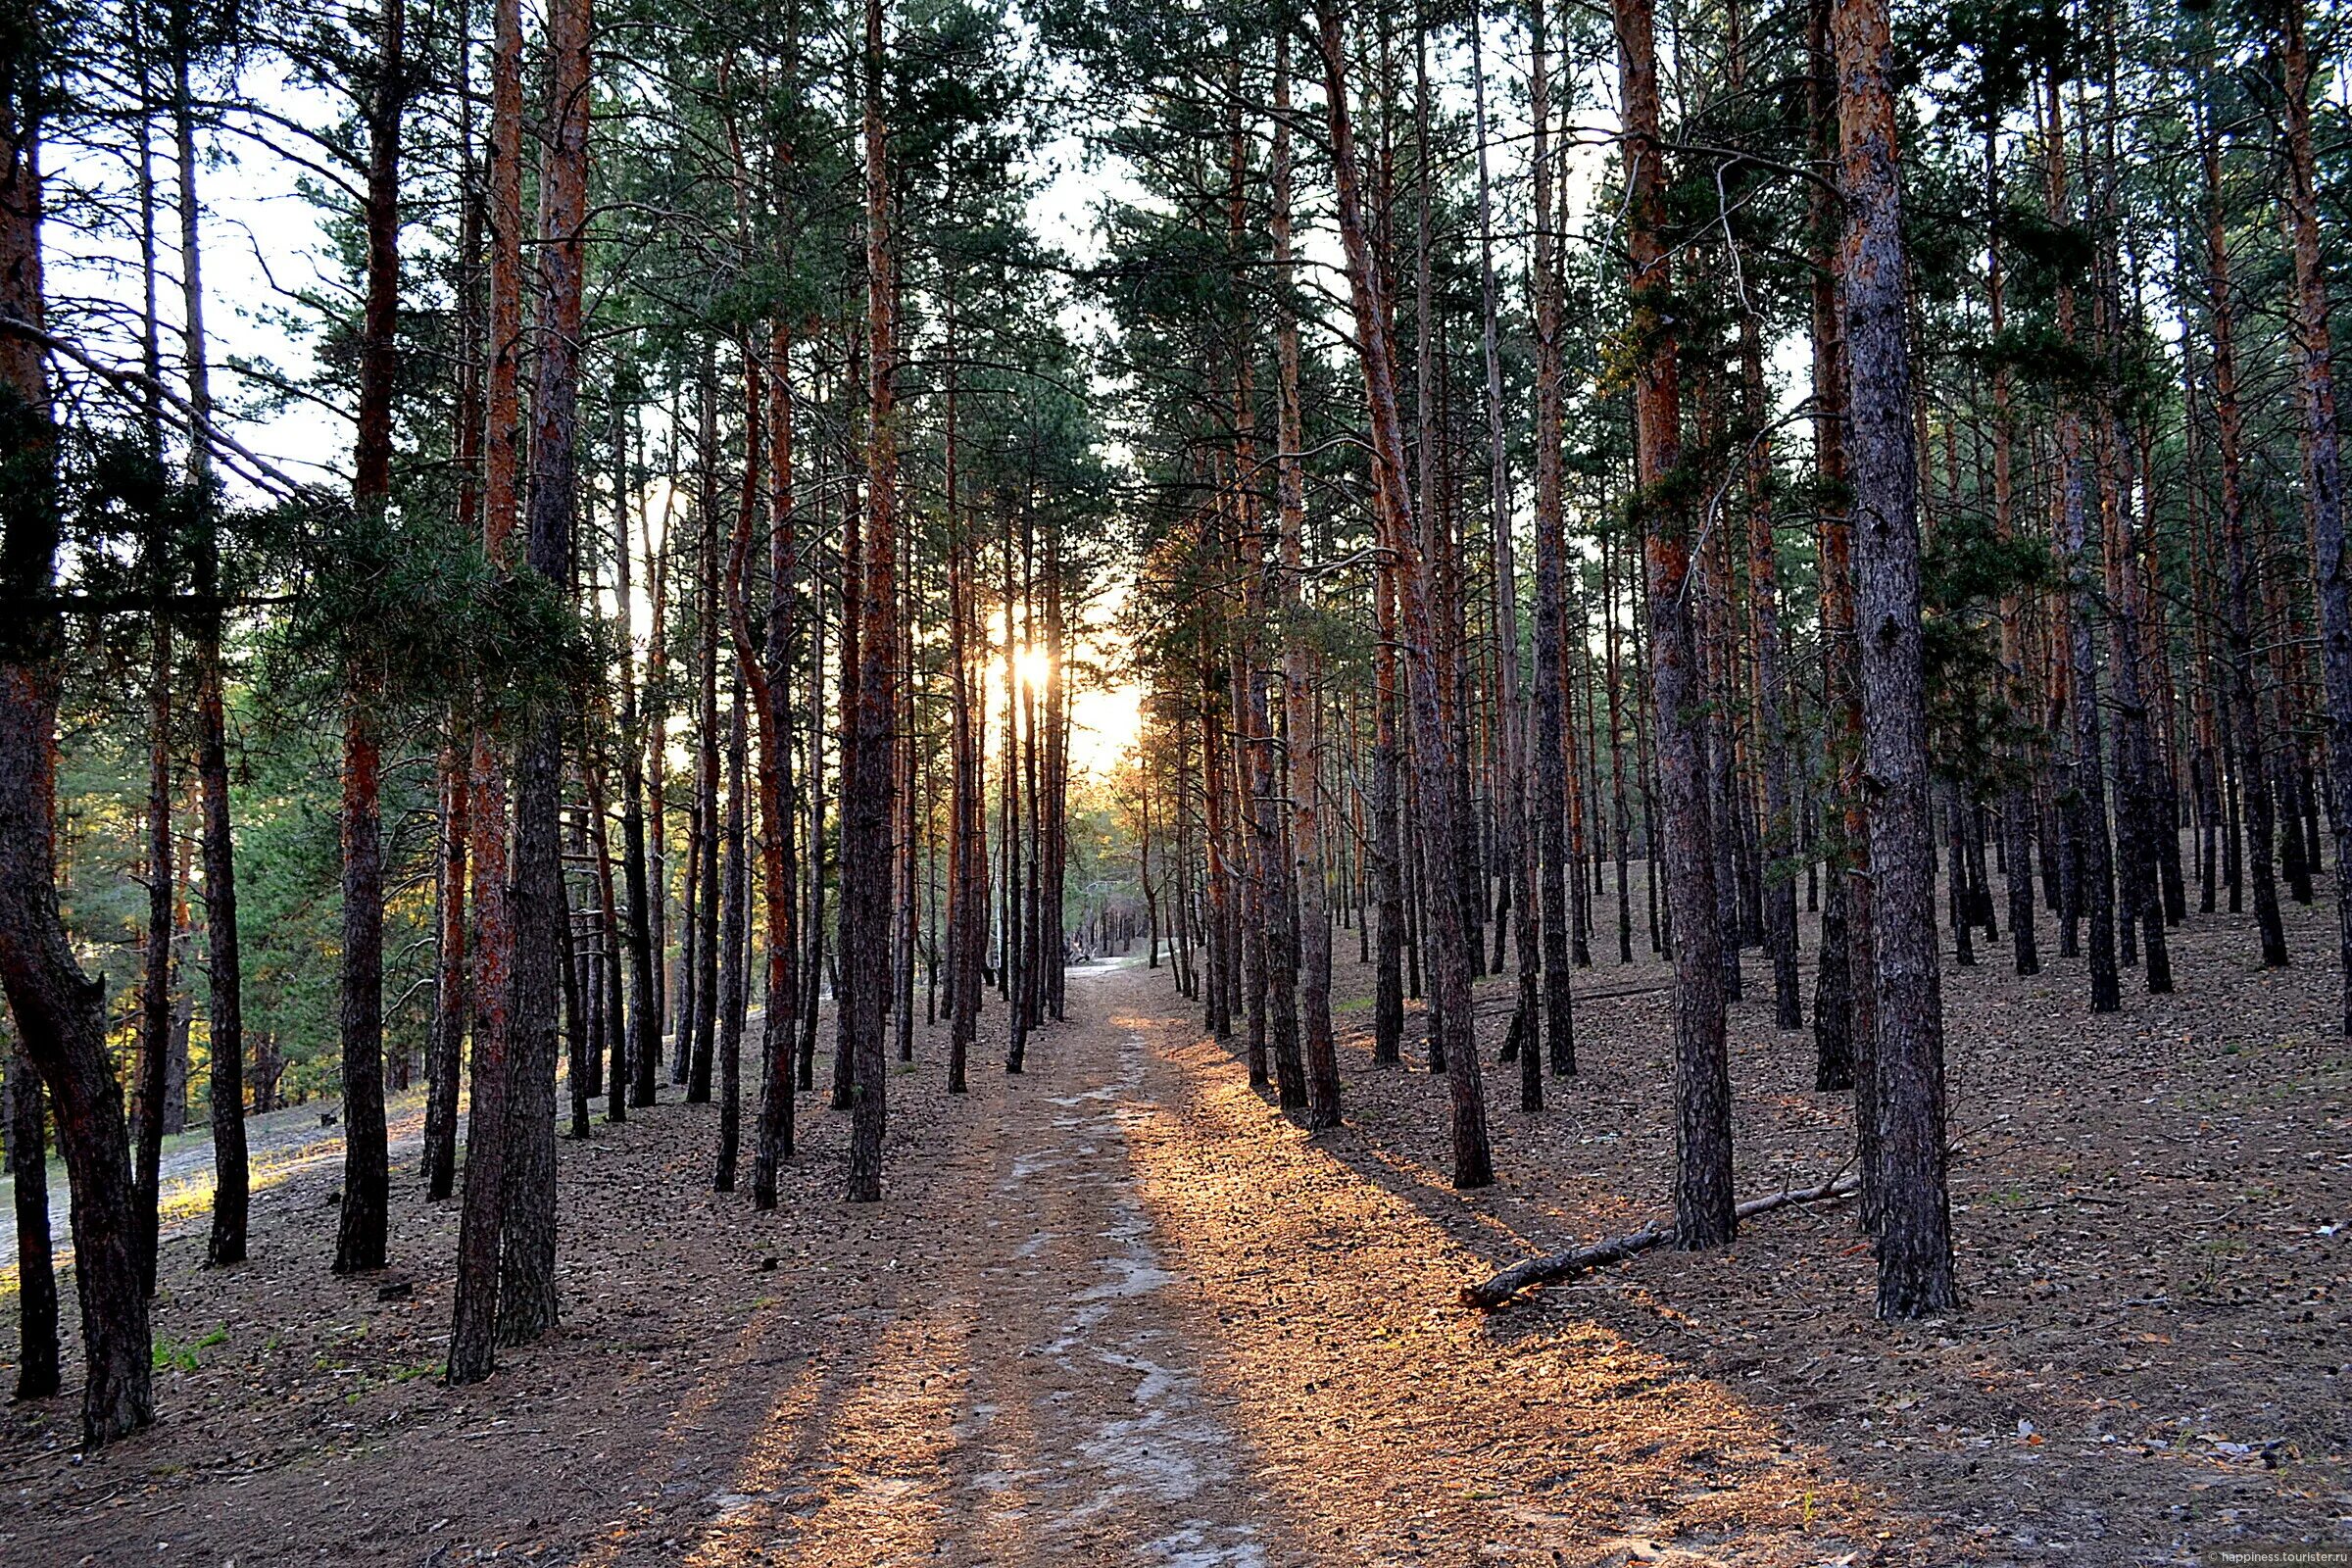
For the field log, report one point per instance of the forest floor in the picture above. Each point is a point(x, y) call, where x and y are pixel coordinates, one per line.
point(1118, 1309)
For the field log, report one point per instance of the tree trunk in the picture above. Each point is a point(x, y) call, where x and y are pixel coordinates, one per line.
point(1913, 1213)
point(445, 1051)
point(1432, 765)
point(1550, 767)
point(1302, 720)
point(2016, 802)
point(2088, 813)
point(772, 694)
point(2322, 462)
point(365, 1211)
point(734, 934)
point(1703, 1200)
point(60, 1018)
point(527, 1304)
point(36, 1267)
point(871, 707)
point(474, 1319)
point(151, 1083)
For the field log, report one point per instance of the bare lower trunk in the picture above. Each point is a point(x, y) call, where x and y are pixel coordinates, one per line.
point(36, 1268)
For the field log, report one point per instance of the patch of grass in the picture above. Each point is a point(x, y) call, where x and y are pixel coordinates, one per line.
point(170, 1355)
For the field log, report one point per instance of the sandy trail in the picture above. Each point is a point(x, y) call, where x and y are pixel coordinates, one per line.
point(1112, 1311)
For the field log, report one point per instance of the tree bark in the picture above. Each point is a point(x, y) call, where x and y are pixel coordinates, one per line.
point(60, 1018)
point(1913, 1211)
point(1301, 719)
point(1432, 764)
point(365, 1212)
point(475, 1320)
point(771, 693)
point(1703, 1198)
point(1550, 765)
point(527, 1303)
point(36, 1267)
point(2322, 462)
point(871, 707)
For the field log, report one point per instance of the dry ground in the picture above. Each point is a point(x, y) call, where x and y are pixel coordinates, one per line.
point(1120, 1312)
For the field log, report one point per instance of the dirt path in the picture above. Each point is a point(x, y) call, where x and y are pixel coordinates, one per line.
point(1111, 1311)
point(1033, 1397)
point(1118, 1311)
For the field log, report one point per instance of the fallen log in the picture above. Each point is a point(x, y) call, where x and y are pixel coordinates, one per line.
point(1554, 1266)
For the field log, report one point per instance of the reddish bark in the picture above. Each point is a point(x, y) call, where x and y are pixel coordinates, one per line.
point(474, 1328)
point(60, 1020)
point(1703, 1197)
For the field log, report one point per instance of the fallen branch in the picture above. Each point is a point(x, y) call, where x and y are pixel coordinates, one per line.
point(1552, 1266)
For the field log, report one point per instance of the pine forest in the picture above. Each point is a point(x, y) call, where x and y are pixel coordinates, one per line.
point(1175, 782)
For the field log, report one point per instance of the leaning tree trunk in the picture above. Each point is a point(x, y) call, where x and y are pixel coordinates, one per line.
point(1432, 764)
point(59, 1012)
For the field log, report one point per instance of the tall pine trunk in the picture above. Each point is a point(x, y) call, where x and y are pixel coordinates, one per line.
point(59, 1012)
point(2323, 460)
point(474, 1319)
point(1913, 1211)
point(1433, 762)
point(1702, 1187)
point(870, 708)
point(365, 1212)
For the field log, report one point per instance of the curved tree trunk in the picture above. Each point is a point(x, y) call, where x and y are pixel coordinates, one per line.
point(60, 1021)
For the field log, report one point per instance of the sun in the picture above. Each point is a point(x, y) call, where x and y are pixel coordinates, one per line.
point(1032, 665)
